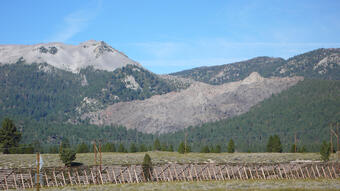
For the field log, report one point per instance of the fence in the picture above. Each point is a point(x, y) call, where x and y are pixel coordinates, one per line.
point(118, 174)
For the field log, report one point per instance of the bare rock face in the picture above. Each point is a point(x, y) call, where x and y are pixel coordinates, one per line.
point(197, 104)
point(67, 57)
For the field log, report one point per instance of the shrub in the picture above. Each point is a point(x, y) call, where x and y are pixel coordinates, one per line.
point(67, 155)
point(147, 167)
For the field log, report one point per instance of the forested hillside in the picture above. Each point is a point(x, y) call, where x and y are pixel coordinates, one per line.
point(40, 91)
point(320, 64)
point(306, 109)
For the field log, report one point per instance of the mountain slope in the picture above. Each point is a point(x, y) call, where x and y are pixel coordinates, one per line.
point(195, 105)
point(73, 58)
point(320, 63)
point(57, 84)
point(306, 109)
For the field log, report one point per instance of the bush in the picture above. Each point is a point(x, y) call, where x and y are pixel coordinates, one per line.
point(67, 155)
point(147, 167)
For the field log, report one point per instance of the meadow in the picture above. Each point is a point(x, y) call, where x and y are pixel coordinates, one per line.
point(158, 157)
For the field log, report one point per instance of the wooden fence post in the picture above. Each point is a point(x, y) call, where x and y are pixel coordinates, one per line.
point(264, 176)
point(22, 181)
point(130, 175)
point(114, 175)
point(324, 173)
point(46, 178)
point(157, 179)
point(221, 173)
point(15, 180)
point(136, 175)
point(6, 183)
point(317, 170)
point(197, 178)
point(31, 178)
point(245, 172)
point(93, 180)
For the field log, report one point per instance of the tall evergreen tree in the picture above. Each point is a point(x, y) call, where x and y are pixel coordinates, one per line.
point(142, 148)
point(325, 151)
point(231, 146)
point(121, 148)
point(83, 148)
point(133, 148)
point(217, 149)
point(205, 149)
point(157, 145)
point(109, 147)
point(182, 149)
point(293, 148)
point(277, 146)
point(171, 148)
point(9, 135)
point(274, 144)
point(270, 144)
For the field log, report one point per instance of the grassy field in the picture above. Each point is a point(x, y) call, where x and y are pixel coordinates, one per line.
point(260, 185)
point(52, 160)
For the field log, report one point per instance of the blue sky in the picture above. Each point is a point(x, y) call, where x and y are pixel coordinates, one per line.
point(169, 36)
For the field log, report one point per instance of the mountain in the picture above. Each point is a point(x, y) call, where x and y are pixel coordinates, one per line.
point(73, 58)
point(58, 82)
point(55, 87)
point(305, 110)
point(319, 64)
point(195, 105)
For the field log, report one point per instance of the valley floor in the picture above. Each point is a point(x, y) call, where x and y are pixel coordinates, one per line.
point(235, 185)
point(52, 160)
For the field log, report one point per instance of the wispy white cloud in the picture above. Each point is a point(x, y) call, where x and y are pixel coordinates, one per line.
point(76, 22)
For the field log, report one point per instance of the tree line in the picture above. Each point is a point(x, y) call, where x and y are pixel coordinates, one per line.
point(10, 138)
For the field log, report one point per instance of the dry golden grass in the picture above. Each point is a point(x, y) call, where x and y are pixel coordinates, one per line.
point(52, 160)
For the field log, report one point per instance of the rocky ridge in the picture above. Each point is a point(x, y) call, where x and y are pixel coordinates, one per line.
point(197, 104)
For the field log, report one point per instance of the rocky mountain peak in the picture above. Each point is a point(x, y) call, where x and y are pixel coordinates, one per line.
point(73, 58)
point(252, 78)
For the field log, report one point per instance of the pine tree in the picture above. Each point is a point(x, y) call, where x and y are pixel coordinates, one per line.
point(142, 148)
point(277, 147)
point(164, 147)
point(133, 148)
point(205, 149)
point(83, 148)
point(181, 148)
point(270, 144)
point(293, 148)
point(171, 148)
point(121, 148)
point(147, 167)
point(157, 145)
point(65, 143)
point(217, 149)
point(9, 135)
point(325, 151)
point(231, 146)
point(109, 147)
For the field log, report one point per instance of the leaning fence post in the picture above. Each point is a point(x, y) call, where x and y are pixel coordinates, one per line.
point(15, 181)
